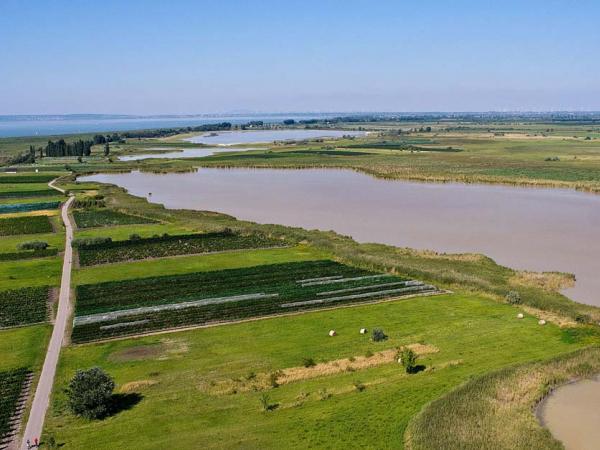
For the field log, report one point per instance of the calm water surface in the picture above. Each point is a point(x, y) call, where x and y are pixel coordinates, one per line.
point(572, 414)
point(535, 229)
point(183, 153)
point(259, 136)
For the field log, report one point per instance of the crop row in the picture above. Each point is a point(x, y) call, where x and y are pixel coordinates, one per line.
point(137, 306)
point(131, 322)
point(38, 178)
point(43, 253)
point(26, 207)
point(25, 225)
point(90, 218)
point(23, 306)
point(19, 194)
point(272, 278)
point(12, 383)
point(156, 247)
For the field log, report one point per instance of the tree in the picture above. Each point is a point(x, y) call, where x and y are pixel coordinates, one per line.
point(378, 335)
point(106, 149)
point(90, 393)
point(408, 359)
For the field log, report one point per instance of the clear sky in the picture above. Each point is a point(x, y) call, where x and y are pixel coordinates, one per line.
point(177, 56)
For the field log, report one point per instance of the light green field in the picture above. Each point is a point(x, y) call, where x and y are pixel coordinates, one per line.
point(23, 187)
point(122, 232)
point(9, 244)
point(23, 347)
point(187, 264)
point(44, 199)
point(35, 272)
point(473, 336)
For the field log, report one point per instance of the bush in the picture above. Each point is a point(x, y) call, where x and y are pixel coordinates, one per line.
point(378, 335)
point(359, 386)
point(90, 393)
point(309, 362)
point(408, 359)
point(87, 242)
point(135, 237)
point(33, 245)
point(513, 297)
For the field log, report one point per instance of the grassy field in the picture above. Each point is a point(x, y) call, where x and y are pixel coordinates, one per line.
point(10, 244)
point(23, 347)
point(175, 376)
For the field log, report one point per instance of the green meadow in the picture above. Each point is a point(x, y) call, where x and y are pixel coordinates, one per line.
point(174, 376)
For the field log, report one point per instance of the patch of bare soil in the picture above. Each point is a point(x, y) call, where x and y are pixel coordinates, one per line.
point(165, 349)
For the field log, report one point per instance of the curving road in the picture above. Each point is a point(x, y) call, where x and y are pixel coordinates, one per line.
point(41, 399)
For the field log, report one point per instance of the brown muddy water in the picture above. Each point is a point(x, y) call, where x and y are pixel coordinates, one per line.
point(524, 228)
point(572, 414)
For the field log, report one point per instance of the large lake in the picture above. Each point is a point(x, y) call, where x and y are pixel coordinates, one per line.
point(11, 126)
point(535, 229)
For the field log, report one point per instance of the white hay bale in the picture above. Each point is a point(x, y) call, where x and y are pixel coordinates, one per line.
point(332, 333)
point(520, 316)
point(542, 322)
point(363, 331)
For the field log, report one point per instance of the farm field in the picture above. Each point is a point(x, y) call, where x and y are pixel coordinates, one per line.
point(137, 306)
point(166, 245)
point(24, 306)
point(196, 263)
point(25, 225)
point(105, 217)
point(196, 385)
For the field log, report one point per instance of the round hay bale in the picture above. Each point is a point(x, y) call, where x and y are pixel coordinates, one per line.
point(542, 322)
point(332, 333)
point(363, 331)
point(520, 316)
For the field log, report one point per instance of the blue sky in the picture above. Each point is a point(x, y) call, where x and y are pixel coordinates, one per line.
point(150, 57)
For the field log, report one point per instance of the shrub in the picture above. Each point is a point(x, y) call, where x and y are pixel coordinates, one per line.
point(359, 386)
point(33, 245)
point(308, 362)
point(265, 401)
point(408, 359)
point(135, 237)
point(324, 394)
point(90, 393)
point(513, 297)
point(378, 335)
point(88, 242)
